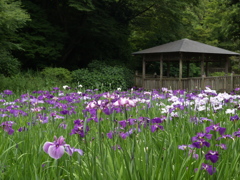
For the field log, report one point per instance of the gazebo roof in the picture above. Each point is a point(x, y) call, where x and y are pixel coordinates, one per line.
point(188, 46)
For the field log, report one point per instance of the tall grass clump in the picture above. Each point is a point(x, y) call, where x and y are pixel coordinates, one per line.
point(36, 80)
point(76, 133)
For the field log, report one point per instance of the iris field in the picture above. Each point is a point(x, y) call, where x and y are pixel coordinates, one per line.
point(77, 133)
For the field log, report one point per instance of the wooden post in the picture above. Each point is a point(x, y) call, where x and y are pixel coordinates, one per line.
point(180, 71)
point(168, 68)
point(207, 67)
point(217, 84)
point(203, 82)
point(202, 72)
point(191, 88)
point(143, 71)
point(232, 86)
point(225, 83)
point(202, 65)
point(136, 77)
point(188, 68)
point(161, 71)
point(226, 65)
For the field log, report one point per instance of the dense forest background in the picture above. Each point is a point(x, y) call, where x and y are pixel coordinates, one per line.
point(35, 34)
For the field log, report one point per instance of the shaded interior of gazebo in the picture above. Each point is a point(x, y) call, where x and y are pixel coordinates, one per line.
point(185, 51)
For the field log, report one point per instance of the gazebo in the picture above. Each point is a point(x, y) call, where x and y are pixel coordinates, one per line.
point(186, 50)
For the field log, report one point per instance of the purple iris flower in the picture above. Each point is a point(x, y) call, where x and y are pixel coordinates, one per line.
point(58, 117)
point(64, 112)
point(108, 110)
point(57, 148)
point(110, 135)
point(222, 146)
point(201, 136)
point(237, 133)
point(17, 112)
point(156, 120)
point(237, 89)
point(206, 119)
point(43, 118)
point(7, 127)
point(216, 127)
point(7, 92)
point(226, 136)
point(132, 121)
point(21, 129)
point(200, 143)
point(63, 125)
point(78, 122)
point(123, 123)
point(156, 127)
point(212, 156)
point(184, 147)
point(132, 130)
point(4, 115)
point(234, 118)
point(195, 120)
point(123, 135)
point(79, 128)
point(178, 106)
point(208, 168)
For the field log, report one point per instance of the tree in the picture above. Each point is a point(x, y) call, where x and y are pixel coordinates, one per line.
point(12, 18)
point(231, 23)
point(160, 22)
point(41, 40)
point(71, 33)
point(217, 23)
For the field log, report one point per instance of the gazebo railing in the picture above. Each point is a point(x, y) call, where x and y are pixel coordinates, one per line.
point(219, 83)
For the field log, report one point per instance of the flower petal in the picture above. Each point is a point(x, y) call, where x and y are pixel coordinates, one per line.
point(68, 149)
point(56, 152)
point(78, 150)
point(213, 158)
point(46, 146)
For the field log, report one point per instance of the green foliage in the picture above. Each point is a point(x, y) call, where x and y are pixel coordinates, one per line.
point(9, 65)
point(162, 21)
point(231, 23)
point(29, 81)
point(216, 23)
point(102, 76)
point(219, 74)
point(41, 40)
point(235, 62)
point(59, 74)
point(12, 17)
point(85, 5)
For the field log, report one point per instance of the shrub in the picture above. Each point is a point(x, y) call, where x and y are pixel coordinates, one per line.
point(28, 81)
point(101, 76)
point(9, 65)
point(59, 74)
point(219, 74)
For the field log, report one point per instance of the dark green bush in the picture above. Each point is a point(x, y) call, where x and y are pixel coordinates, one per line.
point(219, 74)
point(57, 74)
point(9, 65)
point(101, 76)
